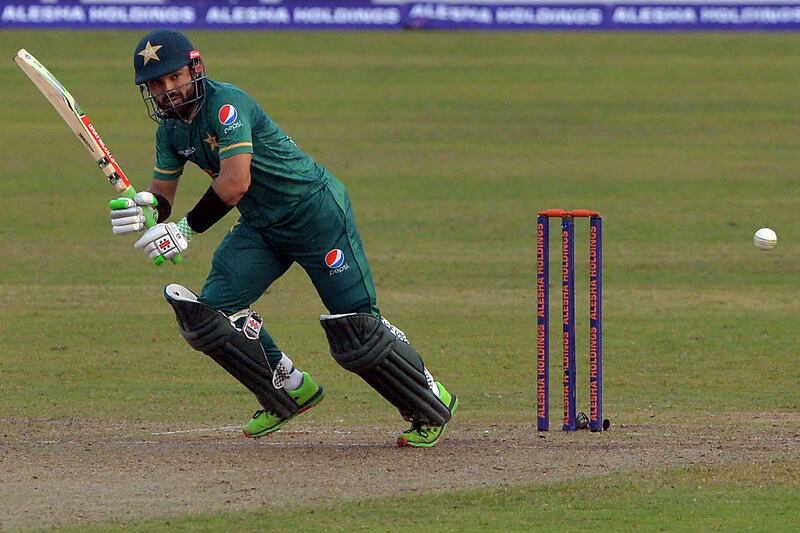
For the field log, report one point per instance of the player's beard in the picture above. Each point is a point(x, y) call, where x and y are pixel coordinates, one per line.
point(179, 102)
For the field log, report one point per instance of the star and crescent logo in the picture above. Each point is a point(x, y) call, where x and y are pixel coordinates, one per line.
point(150, 52)
point(211, 141)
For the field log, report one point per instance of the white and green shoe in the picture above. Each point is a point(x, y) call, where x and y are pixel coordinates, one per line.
point(307, 395)
point(421, 436)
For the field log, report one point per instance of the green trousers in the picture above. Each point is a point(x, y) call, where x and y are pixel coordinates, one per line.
point(320, 235)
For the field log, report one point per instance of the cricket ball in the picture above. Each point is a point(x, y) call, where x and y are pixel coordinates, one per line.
point(765, 239)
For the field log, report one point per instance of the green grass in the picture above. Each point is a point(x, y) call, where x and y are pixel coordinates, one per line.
point(449, 144)
point(752, 497)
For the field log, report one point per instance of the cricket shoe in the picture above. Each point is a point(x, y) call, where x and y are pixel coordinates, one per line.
point(422, 436)
point(307, 395)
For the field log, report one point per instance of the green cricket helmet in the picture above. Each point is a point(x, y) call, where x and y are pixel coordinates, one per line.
point(161, 52)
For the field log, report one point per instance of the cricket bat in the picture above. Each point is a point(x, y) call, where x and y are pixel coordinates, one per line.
point(82, 127)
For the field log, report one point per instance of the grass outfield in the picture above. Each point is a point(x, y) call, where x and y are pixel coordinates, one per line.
point(449, 144)
point(701, 499)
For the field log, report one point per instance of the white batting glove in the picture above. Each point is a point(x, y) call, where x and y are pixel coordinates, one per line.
point(162, 240)
point(128, 215)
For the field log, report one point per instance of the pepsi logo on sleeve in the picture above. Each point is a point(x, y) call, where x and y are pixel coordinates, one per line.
point(227, 115)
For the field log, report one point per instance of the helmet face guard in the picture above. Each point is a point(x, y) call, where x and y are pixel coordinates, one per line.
point(161, 112)
point(163, 52)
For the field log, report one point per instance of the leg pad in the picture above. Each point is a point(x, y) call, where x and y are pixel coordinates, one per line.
point(211, 332)
point(364, 345)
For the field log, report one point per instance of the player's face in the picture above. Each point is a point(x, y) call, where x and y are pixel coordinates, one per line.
point(171, 91)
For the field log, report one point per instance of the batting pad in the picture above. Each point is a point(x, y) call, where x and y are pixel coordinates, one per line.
point(211, 332)
point(362, 344)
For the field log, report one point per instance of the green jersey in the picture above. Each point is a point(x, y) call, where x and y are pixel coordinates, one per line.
point(229, 123)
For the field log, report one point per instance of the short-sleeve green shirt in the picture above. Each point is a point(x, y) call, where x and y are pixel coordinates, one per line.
point(229, 123)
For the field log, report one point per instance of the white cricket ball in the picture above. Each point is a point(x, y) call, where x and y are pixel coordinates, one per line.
point(765, 239)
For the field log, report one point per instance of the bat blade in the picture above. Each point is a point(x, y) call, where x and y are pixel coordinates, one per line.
point(66, 106)
point(63, 102)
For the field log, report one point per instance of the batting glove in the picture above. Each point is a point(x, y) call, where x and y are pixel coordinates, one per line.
point(128, 215)
point(164, 240)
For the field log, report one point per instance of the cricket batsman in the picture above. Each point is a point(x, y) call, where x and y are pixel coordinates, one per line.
point(292, 210)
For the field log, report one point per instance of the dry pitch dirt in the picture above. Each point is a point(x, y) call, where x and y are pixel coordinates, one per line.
point(59, 472)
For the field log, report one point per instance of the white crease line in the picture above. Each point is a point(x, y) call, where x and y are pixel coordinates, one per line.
point(324, 445)
point(196, 430)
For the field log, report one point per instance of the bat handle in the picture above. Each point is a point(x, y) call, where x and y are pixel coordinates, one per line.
point(149, 222)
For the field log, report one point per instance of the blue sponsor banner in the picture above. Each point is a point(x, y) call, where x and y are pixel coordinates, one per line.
point(353, 14)
point(394, 15)
point(506, 16)
point(623, 16)
point(706, 17)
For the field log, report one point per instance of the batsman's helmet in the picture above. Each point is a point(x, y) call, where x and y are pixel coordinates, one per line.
point(161, 52)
